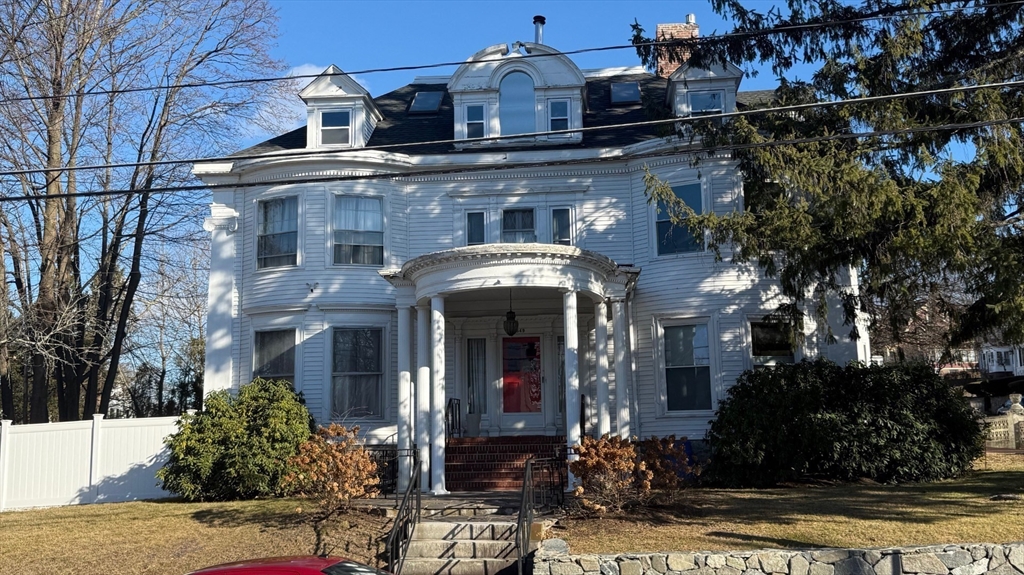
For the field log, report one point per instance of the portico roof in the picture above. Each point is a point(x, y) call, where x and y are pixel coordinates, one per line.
point(489, 266)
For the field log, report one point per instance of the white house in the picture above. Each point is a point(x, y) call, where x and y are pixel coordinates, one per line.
point(1004, 359)
point(388, 258)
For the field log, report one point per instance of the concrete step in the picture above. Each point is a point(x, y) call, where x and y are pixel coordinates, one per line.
point(448, 549)
point(465, 531)
point(414, 566)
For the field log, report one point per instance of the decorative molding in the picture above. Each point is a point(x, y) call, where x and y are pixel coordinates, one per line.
point(271, 309)
point(474, 256)
point(335, 307)
point(223, 223)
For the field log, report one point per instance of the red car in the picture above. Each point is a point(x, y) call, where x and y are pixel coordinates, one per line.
point(305, 565)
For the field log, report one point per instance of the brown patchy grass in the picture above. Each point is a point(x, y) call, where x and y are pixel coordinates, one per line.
point(957, 511)
point(156, 538)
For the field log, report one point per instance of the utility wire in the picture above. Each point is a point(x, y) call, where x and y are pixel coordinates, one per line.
point(673, 42)
point(537, 164)
point(566, 132)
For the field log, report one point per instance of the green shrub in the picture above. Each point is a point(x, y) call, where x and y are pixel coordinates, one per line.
point(238, 447)
point(817, 419)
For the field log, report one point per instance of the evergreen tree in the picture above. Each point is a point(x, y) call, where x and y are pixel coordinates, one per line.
point(915, 193)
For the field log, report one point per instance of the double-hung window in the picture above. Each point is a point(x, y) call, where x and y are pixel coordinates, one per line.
point(561, 227)
point(335, 128)
point(673, 239)
point(358, 231)
point(356, 373)
point(771, 344)
point(475, 121)
point(687, 355)
point(517, 227)
point(558, 116)
point(703, 103)
point(277, 232)
point(275, 354)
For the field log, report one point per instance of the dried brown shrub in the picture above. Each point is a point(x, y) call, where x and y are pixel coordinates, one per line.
point(331, 469)
point(666, 459)
point(610, 475)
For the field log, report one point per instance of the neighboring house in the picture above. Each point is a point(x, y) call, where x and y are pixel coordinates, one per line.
point(1002, 360)
point(924, 338)
point(386, 261)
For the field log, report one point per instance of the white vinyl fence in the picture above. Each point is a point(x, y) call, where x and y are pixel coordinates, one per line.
point(74, 462)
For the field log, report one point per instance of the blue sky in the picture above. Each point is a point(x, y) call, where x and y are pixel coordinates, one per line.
point(358, 35)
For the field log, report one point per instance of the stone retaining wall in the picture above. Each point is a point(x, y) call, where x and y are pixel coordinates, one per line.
point(552, 558)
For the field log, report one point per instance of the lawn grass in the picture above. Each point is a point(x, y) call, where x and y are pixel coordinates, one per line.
point(165, 537)
point(804, 516)
point(173, 538)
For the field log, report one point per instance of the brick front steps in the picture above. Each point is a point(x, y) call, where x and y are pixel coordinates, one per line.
point(495, 463)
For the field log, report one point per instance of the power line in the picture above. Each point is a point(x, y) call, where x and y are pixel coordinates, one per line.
point(645, 123)
point(673, 42)
point(537, 164)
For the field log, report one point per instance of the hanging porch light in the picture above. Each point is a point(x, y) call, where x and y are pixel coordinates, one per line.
point(511, 325)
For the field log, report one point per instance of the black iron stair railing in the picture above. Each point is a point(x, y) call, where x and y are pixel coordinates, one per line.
point(453, 418)
point(550, 474)
point(406, 518)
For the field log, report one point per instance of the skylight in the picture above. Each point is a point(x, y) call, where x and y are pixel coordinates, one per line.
point(426, 102)
point(625, 92)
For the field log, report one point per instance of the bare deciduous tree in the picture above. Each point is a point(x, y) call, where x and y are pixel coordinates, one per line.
point(75, 263)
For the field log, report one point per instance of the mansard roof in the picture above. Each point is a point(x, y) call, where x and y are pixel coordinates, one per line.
point(400, 127)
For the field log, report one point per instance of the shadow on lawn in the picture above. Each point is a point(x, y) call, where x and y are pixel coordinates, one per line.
point(775, 541)
point(917, 503)
point(271, 515)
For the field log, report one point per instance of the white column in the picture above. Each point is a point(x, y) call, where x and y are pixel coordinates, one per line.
point(423, 393)
point(221, 302)
point(621, 373)
point(437, 439)
point(604, 419)
point(405, 411)
point(550, 390)
point(572, 378)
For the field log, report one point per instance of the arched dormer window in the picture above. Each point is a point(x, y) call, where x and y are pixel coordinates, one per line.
point(517, 110)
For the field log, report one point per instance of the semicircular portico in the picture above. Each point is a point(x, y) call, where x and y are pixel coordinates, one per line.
point(492, 266)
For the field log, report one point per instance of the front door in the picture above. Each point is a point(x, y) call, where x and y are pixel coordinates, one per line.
point(522, 380)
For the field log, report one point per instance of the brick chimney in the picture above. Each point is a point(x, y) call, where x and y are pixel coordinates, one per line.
point(674, 32)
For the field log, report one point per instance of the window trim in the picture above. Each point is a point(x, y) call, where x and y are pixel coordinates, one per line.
point(357, 321)
point(276, 321)
point(384, 206)
point(514, 208)
point(567, 117)
point(748, 327)
point(299, 236)
point(484, 123)
point(468, 213)
point(658, 347)
point(705, 201)
point(295, 348)
point(689, 101)
point(321, 128)
point(572, 224)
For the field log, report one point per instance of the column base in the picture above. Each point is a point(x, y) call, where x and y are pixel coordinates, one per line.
point(440, 492)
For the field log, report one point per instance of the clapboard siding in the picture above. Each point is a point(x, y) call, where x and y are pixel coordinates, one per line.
point(611, 217)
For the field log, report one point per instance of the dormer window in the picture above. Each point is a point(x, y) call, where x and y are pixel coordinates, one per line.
point(558, 115)
point(625, 93)
point(475, 121)
point(517, 104)
point(707, 102)
point(335, 128)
